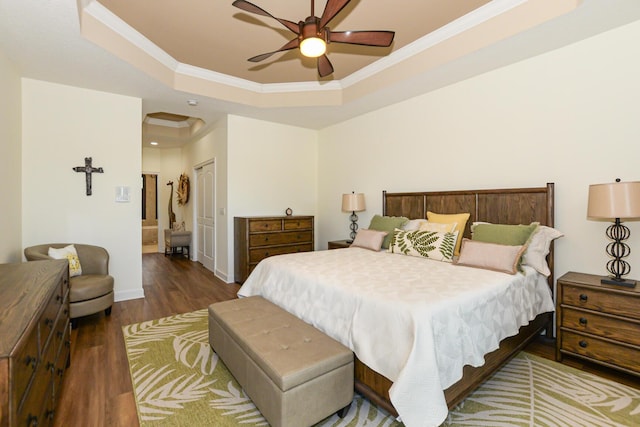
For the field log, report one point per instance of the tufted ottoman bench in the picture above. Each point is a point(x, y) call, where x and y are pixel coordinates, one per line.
point(294, 374)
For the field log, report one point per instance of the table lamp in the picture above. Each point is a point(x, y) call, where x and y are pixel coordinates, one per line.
point(616, 201)
point(353, 203)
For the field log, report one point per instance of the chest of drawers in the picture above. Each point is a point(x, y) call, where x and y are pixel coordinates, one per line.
point(257, 238)
point(599, 323)
point(34, 340)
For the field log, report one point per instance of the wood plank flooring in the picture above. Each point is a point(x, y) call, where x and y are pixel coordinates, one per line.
point(97, 389)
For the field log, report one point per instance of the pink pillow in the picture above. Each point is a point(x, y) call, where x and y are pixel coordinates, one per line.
point(490, 256)
point(369, 239)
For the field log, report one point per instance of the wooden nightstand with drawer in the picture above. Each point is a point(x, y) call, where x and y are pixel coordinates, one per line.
point(598, 323)
point(338, 244)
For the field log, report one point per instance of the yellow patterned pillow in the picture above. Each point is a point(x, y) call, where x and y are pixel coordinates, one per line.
point(68, 252)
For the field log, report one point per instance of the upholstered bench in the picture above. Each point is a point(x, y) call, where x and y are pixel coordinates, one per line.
point(294, 374)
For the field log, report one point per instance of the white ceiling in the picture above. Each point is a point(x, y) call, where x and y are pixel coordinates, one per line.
point(84, 44)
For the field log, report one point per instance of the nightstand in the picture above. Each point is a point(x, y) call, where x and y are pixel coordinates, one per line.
point(337, 244)
point(598, 323)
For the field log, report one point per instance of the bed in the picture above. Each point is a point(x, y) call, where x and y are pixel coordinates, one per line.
point(405, 363)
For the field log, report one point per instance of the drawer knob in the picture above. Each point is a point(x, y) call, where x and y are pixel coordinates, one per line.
point(49, 414)
point(30, 360)
point(584, 297)
point(58, 297)
point(583, 321)
point(32, 420)
point(583, 344)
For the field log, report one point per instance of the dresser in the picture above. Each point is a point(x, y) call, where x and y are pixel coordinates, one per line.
point(34, 340)
point(257, 238)
point(598, 323)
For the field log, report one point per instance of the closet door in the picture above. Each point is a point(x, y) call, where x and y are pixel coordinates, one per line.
point(205, 215)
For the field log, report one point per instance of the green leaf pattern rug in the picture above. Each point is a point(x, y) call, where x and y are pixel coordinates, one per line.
point(179, 381)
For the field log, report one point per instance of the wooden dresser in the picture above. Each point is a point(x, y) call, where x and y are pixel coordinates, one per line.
point(257, 238)
point(34, 340)
point(599, 323)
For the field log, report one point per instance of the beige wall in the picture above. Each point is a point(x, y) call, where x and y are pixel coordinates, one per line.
point(211, 148)
point(271, 167)
point(10, 164)
point(569, 116)
point(54, 205)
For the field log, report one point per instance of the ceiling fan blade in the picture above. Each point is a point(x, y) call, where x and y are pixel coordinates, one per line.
point(365, 38)
point(332, 8)
point(292, 44)
point(324, 66)
point(252, 8)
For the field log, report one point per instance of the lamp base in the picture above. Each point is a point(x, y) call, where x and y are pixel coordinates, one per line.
point(618, 282)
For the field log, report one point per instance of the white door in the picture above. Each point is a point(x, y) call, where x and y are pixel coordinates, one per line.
point(205, 215)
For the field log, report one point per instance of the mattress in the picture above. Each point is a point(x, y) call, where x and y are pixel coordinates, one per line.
point(414, 320)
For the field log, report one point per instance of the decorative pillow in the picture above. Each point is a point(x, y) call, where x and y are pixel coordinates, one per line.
point(68, 252)
point(460, 220)
point(490, 256)
point(538, 248)
point(413, 224)
point(388, 224)
point(438, 226)
point(369, 239)
point(503, 234)
point(428, 244)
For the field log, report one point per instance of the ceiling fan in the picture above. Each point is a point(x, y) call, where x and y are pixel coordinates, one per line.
point(312, 34)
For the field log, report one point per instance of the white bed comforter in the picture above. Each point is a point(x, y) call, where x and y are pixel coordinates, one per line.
point(413, 320)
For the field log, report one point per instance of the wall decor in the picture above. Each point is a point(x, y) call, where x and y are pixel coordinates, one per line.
point(88, 170)
point(183, 189)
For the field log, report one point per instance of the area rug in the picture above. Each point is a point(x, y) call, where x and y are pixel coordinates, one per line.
point(179, 381)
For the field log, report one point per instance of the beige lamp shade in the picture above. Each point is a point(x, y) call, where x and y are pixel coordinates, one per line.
point(614, 200)
point(353, 202)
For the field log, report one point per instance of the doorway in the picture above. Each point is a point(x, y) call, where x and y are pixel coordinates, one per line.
point(205, 215)
point(149, 213)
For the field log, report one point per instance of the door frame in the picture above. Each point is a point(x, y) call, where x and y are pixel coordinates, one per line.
point(194, 236)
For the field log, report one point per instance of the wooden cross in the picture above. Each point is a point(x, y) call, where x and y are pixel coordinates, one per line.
point(88, 170)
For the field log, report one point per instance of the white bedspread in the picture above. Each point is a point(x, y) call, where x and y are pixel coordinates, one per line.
point(413, 320)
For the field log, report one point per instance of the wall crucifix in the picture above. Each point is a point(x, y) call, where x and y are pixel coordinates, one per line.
point(88, 170)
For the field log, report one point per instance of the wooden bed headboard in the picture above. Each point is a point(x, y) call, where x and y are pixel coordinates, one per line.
point(501, 206)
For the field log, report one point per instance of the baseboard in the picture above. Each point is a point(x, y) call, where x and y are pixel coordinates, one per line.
point(127, 295)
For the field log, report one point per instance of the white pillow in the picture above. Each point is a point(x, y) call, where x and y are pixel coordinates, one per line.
point(428, 244)
point(69, 253)
point(538, 248)
point(413, 224)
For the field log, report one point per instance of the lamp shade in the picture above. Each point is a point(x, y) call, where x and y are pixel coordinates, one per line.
point(353, 202)
point(614, 200)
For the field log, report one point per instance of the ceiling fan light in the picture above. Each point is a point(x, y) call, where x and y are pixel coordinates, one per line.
point(313, 47)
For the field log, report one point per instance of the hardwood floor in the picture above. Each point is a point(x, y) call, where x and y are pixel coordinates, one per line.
point(97, 389)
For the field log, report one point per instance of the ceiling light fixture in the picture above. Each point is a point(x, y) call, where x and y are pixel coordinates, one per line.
point(192, 102)
point(153, 143)
point(313, 47)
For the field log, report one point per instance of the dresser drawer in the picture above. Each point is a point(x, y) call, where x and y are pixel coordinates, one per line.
point(604, 326)
point(298, 224)
point(601, 350)
point(601, 300)
point(48, 318)
point(265, 225)
point(26, 361)
point(257, 255)
point(266, 239)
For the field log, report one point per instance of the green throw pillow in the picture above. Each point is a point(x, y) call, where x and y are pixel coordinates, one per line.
point(388, 224)
point(503, 234)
